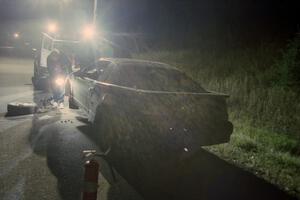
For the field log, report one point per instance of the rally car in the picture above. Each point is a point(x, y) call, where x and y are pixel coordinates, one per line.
point(150, 96)
point(148, 115)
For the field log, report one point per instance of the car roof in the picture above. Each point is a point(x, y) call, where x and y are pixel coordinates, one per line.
point(137, 62)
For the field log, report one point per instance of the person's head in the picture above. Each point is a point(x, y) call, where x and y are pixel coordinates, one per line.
point(55, 55)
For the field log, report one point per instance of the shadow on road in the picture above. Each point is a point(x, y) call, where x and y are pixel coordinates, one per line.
point(61, 136)
point(201, 176)
point(54, 135)
point(205, 176)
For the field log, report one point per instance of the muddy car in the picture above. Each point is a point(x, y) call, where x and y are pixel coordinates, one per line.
point(149, 115)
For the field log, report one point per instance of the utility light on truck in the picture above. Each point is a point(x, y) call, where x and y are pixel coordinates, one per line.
point(89, 32)
point(52, 27)
point(16, 35)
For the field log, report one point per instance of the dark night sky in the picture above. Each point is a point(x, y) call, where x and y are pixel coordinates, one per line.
point(165, 17)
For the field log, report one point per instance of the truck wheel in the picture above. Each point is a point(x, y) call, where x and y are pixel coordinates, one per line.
point(40, 83)
point(35, 83)
point(16, 108)
point(35, 71)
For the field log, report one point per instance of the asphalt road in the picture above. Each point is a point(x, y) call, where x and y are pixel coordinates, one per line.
point(15, 80)
point(41, 156)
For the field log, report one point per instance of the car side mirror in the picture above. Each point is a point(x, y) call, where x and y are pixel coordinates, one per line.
point(78, 73)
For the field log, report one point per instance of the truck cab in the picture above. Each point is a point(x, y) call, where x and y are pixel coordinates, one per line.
point(79, 52)
point(49, 43)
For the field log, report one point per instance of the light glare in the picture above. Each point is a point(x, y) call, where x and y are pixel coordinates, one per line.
point(52, 27)
point(16, 35)
point(59, 81)
point(89, 32)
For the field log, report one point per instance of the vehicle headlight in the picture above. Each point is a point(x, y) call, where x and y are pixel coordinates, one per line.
point(59, 81)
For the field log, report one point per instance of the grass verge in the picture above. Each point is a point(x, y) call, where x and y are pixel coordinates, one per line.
point(263, 108)
point(266, 154)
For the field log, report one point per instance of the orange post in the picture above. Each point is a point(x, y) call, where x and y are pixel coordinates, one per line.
point(90, 186)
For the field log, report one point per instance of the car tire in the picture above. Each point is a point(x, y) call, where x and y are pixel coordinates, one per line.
point(100, 129)
point(16, 108)
point(72, 103)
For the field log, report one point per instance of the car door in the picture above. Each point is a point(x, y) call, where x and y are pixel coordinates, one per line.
point(95, 94)
point(81, 85)
point(46, 48)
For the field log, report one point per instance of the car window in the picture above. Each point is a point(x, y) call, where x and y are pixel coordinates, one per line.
point(92, 74)
point(99, 72)
point(150, 77)
point(88, 72)
point(104, 69)
point(66, 47)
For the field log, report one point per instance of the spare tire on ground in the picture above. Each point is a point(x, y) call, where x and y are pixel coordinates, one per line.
point(18, 108)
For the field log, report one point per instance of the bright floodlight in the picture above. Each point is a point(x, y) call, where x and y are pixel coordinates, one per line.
point(88, 32)
point(52, 27)
point(16, 35)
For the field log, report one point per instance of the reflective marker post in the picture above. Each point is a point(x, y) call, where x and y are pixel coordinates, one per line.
point(91, 172)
